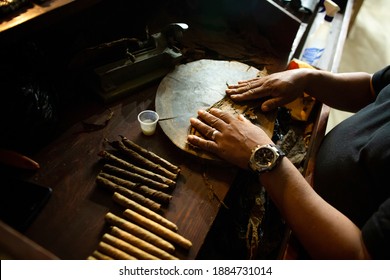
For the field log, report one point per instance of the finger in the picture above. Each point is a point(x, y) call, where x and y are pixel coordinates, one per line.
point(250, 84)
point(206, 145)
point(248, 91)
point(239, 83)
point(202, 127)
point(248, 81)
point(247, 95)
point(239, 88)
point(211, 120)
point(224, 116)
point(242, 86)
point(272, 104)
point(242, 118)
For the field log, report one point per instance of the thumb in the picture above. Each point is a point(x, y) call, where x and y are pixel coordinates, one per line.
point(268, 105)
point(242, 118)
point(272, 104)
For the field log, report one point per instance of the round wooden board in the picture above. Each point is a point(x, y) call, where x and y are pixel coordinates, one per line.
point(193, 86)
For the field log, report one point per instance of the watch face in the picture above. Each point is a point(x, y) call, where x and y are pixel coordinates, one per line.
point(264, 156)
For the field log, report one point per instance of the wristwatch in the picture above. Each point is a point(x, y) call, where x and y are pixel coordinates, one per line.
point(265, 158)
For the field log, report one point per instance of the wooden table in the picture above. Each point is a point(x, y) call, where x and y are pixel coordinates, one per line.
point(72, 223)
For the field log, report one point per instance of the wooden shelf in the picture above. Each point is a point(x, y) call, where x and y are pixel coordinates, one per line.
point(31, 12)
point(35, 15)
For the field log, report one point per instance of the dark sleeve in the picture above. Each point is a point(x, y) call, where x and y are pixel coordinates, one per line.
point(381, 79)
point(376, 232)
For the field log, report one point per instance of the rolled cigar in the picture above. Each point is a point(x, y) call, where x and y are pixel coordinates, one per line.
point(108, 168)
point(139, 232)
point(113, 252)
point(142, 244)
point(138, 170)
point(150, 165)
point(100, 256)
point(157, 229)
point(127, 248)
point(128, 193)
point(153, 194)
point(128, 203)
point(150, 155)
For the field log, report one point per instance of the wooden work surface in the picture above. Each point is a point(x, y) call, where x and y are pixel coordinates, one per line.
point(72, 223)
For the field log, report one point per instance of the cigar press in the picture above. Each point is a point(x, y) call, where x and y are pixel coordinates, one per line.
point(155, 57)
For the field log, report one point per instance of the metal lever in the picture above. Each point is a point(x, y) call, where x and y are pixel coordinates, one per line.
point(173, 33)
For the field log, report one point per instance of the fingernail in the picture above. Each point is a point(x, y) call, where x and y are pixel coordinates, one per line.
point(194, 120)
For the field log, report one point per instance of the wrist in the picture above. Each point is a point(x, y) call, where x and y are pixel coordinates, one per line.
point(265, 158)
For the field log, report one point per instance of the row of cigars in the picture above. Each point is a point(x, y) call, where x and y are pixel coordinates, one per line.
point(142, 183)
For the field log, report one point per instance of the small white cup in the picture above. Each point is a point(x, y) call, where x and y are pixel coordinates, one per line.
point(148, 121)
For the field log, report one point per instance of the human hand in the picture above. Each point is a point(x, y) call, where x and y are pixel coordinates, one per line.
point(281, 88)
point(229, 137)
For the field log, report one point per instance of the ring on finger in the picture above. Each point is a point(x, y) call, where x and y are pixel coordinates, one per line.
point(213, 134)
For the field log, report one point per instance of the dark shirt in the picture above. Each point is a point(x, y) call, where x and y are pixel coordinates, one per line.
point(353, 168)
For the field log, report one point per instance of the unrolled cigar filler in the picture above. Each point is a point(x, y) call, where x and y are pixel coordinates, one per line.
point(152, 59)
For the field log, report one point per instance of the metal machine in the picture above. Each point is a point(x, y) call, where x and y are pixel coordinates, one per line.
point(155, 58)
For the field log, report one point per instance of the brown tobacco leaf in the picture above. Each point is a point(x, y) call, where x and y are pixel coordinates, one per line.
point(250, 110)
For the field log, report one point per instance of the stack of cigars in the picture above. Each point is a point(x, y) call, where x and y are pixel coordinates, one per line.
point(141, 182)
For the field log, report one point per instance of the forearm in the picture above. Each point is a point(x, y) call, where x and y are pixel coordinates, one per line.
point(324, 232)
point(343, 91)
